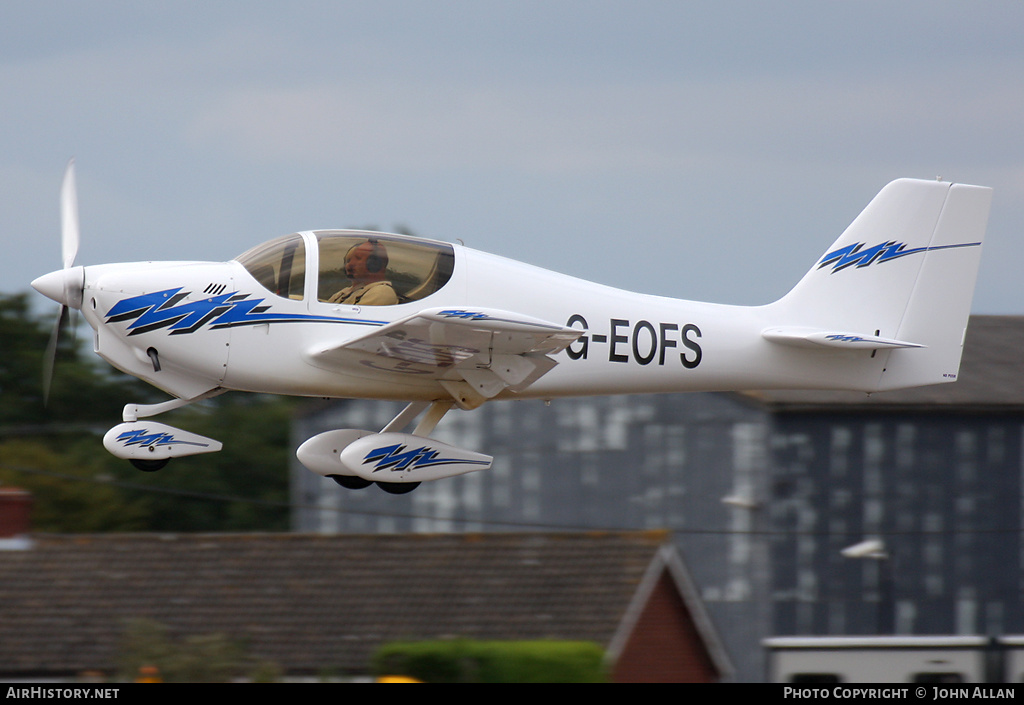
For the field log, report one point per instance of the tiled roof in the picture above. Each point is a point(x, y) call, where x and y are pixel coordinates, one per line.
point(311, 602)
point(991, 378)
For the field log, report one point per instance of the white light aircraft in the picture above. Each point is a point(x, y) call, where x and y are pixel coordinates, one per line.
point(356, 314)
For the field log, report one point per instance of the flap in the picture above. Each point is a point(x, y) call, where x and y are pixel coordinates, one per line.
point(473, 353)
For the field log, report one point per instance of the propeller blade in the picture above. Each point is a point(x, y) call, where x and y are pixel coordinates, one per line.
point(68, 294)
point(49, 361)
point(69, 216)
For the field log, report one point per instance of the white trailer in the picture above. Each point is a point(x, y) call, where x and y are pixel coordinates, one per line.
point(894, 659)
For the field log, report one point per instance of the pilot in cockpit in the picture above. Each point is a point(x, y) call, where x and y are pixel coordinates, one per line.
point(366, 266)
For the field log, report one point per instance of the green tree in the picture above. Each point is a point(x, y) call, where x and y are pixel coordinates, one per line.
point(252, 468)
point(82, 389)
point(48, 448)
point(69, 497)
point(54, 449)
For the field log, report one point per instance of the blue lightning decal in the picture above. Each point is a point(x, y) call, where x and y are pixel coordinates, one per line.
point(481, 316)
point(855, 256)
point(144, 439)
point(467, 315)
point(394, 457)
point(162, 309)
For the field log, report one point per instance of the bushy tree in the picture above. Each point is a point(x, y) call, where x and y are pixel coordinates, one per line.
point(53, 447)
point(83, 390)
point(252, 467)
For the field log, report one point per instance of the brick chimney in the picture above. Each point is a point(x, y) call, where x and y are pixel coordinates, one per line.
point(15, 512)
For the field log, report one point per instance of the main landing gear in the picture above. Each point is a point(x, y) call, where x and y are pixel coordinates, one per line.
point(396, 462)
point(353, 482)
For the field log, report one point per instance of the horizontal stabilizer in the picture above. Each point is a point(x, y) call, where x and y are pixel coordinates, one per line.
point(812, 338)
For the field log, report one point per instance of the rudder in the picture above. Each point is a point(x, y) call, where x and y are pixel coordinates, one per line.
point(940, 306)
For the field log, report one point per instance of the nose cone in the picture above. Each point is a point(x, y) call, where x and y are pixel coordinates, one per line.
point(63, 286)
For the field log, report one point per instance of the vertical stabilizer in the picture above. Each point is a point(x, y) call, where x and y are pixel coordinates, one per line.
point(904, 272)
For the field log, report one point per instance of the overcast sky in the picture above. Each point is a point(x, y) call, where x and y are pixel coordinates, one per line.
point(705, 150)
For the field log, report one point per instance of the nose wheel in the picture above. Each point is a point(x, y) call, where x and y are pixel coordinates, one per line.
point(148, 465)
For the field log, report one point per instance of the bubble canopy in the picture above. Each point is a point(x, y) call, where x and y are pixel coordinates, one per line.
point(414, 268)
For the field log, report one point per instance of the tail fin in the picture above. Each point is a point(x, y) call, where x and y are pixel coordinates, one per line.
point(900, 279)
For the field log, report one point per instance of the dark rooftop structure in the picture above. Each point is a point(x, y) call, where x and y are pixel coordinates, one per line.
point(313, 603)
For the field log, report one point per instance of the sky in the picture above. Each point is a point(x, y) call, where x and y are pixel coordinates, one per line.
point(701, 150)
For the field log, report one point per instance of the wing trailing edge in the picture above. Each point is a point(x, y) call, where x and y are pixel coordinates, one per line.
point(473, 354)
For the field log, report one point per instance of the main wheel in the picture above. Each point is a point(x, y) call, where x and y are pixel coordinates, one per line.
point(398, 487)
point(149, 465)
point(350, 482)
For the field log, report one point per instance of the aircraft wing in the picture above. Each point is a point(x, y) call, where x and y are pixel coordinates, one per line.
point(473, 353)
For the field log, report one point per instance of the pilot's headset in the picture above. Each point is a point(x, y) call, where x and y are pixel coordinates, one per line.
point(378, 259)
